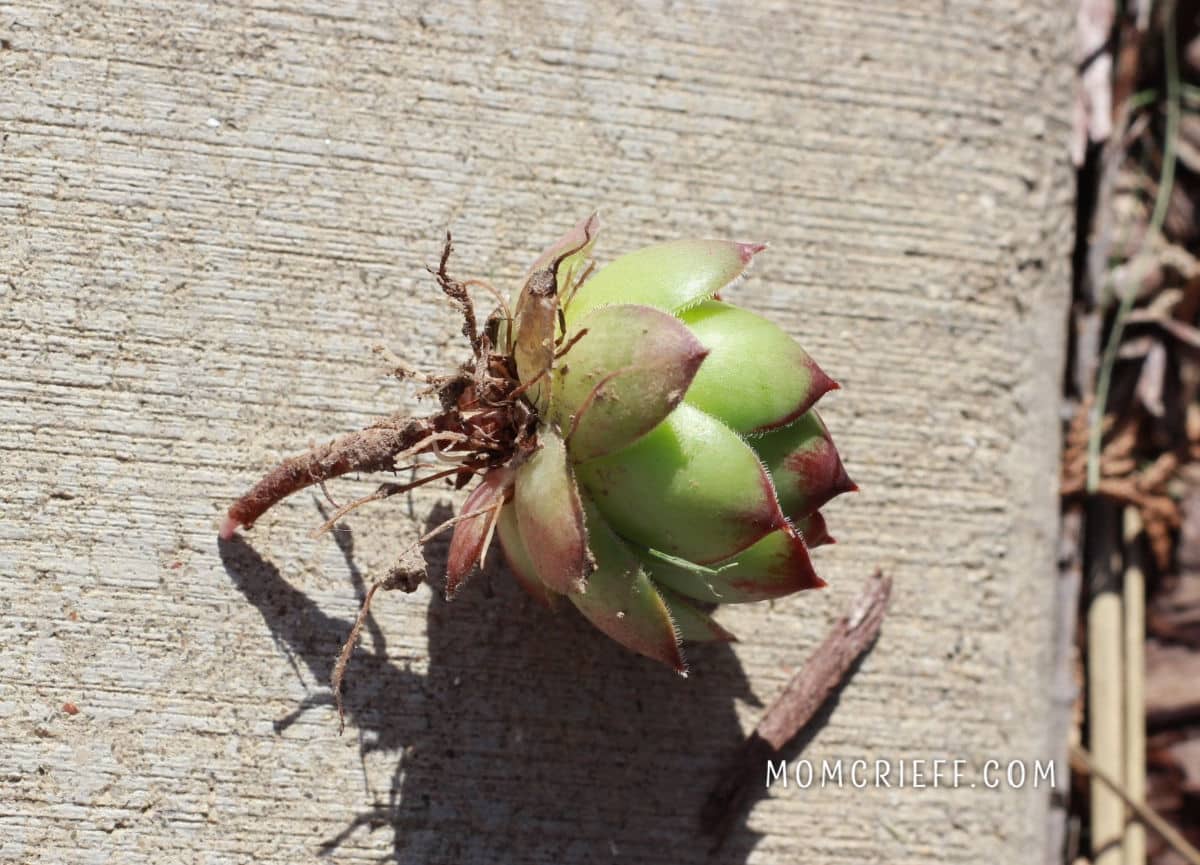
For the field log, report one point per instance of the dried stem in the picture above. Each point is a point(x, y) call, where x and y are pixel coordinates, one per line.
point(570, 344)
point(1157, 218)
point(457, 292)
point(495, 293)
point(343, 658)
point(376, 448)
point(1151, 818)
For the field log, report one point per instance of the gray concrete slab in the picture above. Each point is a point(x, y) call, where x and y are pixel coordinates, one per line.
point(210, 212)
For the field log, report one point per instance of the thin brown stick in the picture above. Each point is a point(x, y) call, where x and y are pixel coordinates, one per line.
point(527, 385)
point(1151, 818)
point(325, 492)
point(825, 671)
point(400, 577)
point(453, 521)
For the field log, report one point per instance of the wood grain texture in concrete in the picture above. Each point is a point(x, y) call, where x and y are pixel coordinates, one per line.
point(209, 214)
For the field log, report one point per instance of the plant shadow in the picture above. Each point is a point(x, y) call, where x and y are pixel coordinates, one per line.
point(531, 737)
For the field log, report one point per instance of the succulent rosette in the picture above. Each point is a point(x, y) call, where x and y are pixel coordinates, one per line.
point(679, 461)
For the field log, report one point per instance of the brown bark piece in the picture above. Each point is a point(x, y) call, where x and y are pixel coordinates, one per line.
point(825, 671)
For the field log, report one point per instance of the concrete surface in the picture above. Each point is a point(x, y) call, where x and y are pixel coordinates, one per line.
point(209, 213)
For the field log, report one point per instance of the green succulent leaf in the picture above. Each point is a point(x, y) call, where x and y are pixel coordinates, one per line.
point(692, 623)
point(691, 487)
point(518, 558)
point(622, 602)
point(775, 566)
point(550, 516)
point(755, 377)
point(806, 466)
point(624, 375)
point(669, 276)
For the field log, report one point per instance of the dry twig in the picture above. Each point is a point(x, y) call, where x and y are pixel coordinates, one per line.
point(1084, 763)
point(825, 671)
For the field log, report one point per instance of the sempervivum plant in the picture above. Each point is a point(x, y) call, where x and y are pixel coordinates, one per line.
point(643, 448)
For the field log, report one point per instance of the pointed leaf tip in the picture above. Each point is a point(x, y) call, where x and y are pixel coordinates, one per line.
point(473, 535)
point(805, 464)
point(622, 601)
point(756, 376)
point(575, 243)
point(749, 250)
point(777, 565)
point(814, 531)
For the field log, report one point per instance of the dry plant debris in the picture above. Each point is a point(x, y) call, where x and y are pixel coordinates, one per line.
point(1131, 461)
point(791, 713)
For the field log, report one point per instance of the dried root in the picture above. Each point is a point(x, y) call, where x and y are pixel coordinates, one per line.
point(372, 449)
point(406, 579)
point(482, 423)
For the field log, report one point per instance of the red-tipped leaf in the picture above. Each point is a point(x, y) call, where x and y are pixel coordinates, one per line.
point(626, 372)
point(777, 565)
point(550, 516)
point(622, 601)
point(518, 558)
point(473, 534)
point(805, 464)
point(814, 531)
point(755, 377)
